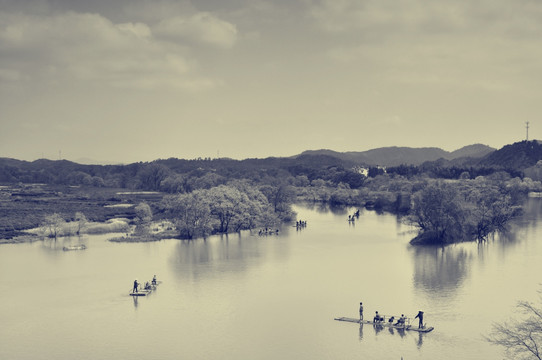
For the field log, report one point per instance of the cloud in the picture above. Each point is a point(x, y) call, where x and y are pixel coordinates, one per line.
point(200, 28)
point(490, 45)
point(394, 120)
point(403, 17)
point(90, 47)
point(9, 75)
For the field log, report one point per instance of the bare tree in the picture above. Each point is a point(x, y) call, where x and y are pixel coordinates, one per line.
point(522, 338)
point(81, 220)
point(53, 223)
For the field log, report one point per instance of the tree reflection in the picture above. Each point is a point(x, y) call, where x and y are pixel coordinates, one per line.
point(319, 207)
point(216, 250)
point(438, 269)
point(224, 253)
point(532, 210)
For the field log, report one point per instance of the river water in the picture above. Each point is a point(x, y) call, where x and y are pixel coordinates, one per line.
point(266, 297)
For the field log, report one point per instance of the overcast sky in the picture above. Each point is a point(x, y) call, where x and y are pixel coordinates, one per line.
point(138, 80)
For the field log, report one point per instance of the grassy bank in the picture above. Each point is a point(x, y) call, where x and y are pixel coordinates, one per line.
point(24, 207)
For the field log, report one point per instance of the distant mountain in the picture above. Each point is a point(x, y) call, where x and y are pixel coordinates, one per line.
point(471, 151)
point(90, 161)
point(317, 161)
point(394, 156)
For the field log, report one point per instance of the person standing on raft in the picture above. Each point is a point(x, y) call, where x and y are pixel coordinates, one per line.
point(420, 316)
point(360, 311)
point(136, 284)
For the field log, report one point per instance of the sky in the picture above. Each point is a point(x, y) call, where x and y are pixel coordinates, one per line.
point(139, 80)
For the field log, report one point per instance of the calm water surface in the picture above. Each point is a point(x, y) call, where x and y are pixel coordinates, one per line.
point(275, 297)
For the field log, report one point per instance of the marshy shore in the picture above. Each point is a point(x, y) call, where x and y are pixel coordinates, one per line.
point(23, 208)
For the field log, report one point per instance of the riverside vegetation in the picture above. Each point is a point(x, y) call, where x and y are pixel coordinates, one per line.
point(196, 198)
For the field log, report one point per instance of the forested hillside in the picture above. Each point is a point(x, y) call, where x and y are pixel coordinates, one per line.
point(517, 156)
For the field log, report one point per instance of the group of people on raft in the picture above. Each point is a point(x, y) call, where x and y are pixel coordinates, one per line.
point(379, 319)
point(148, 285)
point(301, 224)
point(354, 216)
point(268, 231)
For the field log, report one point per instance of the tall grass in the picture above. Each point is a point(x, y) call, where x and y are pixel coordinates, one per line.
point(94, 228)
point(111, 226)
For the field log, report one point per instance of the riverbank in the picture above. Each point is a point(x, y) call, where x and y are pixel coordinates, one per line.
point(64, 210)
point(143, 238)
point(24, 206)
point(21, 239)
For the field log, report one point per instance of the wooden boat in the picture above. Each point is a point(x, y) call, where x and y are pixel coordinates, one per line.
point(387, 324)
point(74, 247)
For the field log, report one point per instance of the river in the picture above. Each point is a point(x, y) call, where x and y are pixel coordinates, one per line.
point(266, 297)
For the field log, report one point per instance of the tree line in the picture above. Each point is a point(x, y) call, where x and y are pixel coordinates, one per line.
point(207, 196)
point(178, 175)
point(228, 208)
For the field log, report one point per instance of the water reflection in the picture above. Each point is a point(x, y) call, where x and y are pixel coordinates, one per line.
point(440, 270)
point(55, 247)
point(378, 328)
point(52, 245)
point(401, 332)
point(226, 253)
point(392, 331)
point(324, 208)
point(420, 340)
point(532, 210)
point(319, 207)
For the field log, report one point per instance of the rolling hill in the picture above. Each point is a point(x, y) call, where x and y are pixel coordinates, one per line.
point(394, 156)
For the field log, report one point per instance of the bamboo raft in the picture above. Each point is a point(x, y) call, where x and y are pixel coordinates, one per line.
point(424, 329)
point(141, 293)
point(145, 292)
